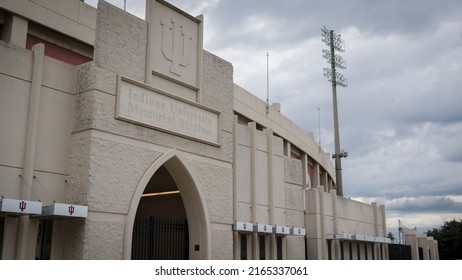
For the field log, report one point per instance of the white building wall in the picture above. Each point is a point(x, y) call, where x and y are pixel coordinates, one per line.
point(341, 219)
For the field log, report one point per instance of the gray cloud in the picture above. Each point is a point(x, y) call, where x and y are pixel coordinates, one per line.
point(424, 204)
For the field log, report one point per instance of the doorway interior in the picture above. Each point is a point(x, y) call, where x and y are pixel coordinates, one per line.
point(160, 230)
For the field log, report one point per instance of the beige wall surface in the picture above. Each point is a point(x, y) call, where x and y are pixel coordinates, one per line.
point(110, 157)
point(344, 220)
point(71, 17)
point(253, 108)
point(54, 123)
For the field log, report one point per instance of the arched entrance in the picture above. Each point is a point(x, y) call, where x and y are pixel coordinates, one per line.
point(160, 231)
point(166, 197)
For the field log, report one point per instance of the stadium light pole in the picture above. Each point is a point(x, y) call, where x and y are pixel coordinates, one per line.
point(335, 43)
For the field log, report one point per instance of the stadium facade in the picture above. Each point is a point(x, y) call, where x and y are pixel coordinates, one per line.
point(121, 138)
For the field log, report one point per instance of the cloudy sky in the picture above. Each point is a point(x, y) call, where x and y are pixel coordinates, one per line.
point(401, 114)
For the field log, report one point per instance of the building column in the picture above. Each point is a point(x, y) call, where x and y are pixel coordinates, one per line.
point(322, 224)
point(27, 228)
point(431, 248)
point(316, 179)
point(354, 250)
point(335, 242)
point(411, 240)
point(422, 242)
point(15, 30)
point(325, 177)
point(315, 233)
point(435, 249)
point(236, 241)
point(253, 185)
point(272, 238)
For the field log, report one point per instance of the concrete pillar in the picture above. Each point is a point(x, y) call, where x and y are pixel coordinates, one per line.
point(354, 250)
point(253, 184)
point(411, 240)
point(316, 178)
point(362, 251)
point(236, 241)
point(335, 243)
point(287, 148)
point(15, 30)
point(317, 246)
point(422, 242)
point(436, 250)
point(272, 238)
point(27, 228)
point(431, 248)
point(325, 177)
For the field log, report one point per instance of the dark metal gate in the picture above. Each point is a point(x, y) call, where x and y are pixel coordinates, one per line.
point(399, 252)
point(158, 239)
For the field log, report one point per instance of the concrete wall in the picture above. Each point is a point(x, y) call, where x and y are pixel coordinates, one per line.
point(109, 157)
point(39, 144)
point(343, 220)
point(254, 109)
point(427, 243)
point(71, 17)
point(268, 187)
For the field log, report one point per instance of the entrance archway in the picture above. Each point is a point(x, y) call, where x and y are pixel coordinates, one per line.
point(160, 231)
point(176, 179)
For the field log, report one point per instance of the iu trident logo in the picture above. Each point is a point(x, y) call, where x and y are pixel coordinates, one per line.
point(71, 210)
point(176, 45)
point(22, 205)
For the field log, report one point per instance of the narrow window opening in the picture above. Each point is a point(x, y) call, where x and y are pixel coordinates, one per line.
point(243, 246)
point(279, 247)
point(44, 235)
point(262, 246)
point(2, 228)
point(329, 249)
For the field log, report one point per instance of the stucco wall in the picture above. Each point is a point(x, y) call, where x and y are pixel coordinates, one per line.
point(53, 125)
point(109, 157)
point(73, 18)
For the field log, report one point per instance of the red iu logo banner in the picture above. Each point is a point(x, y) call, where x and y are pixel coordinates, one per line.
point(22, 205)
point(71, 210)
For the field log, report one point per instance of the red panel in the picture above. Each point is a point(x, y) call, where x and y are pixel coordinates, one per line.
point(294, 155)
point(57, 52)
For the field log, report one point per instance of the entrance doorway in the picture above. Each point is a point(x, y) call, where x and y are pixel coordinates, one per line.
point(178, 198)
point(160, 230)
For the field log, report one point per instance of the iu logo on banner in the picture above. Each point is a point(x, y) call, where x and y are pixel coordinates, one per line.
point(71, 210)
point(22, 205)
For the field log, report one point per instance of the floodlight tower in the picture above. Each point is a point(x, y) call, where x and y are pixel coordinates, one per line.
point(335, 43)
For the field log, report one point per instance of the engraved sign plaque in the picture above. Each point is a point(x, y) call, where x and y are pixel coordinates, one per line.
point(142, 104)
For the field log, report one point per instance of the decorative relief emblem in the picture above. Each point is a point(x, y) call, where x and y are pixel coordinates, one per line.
point(176, 45)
